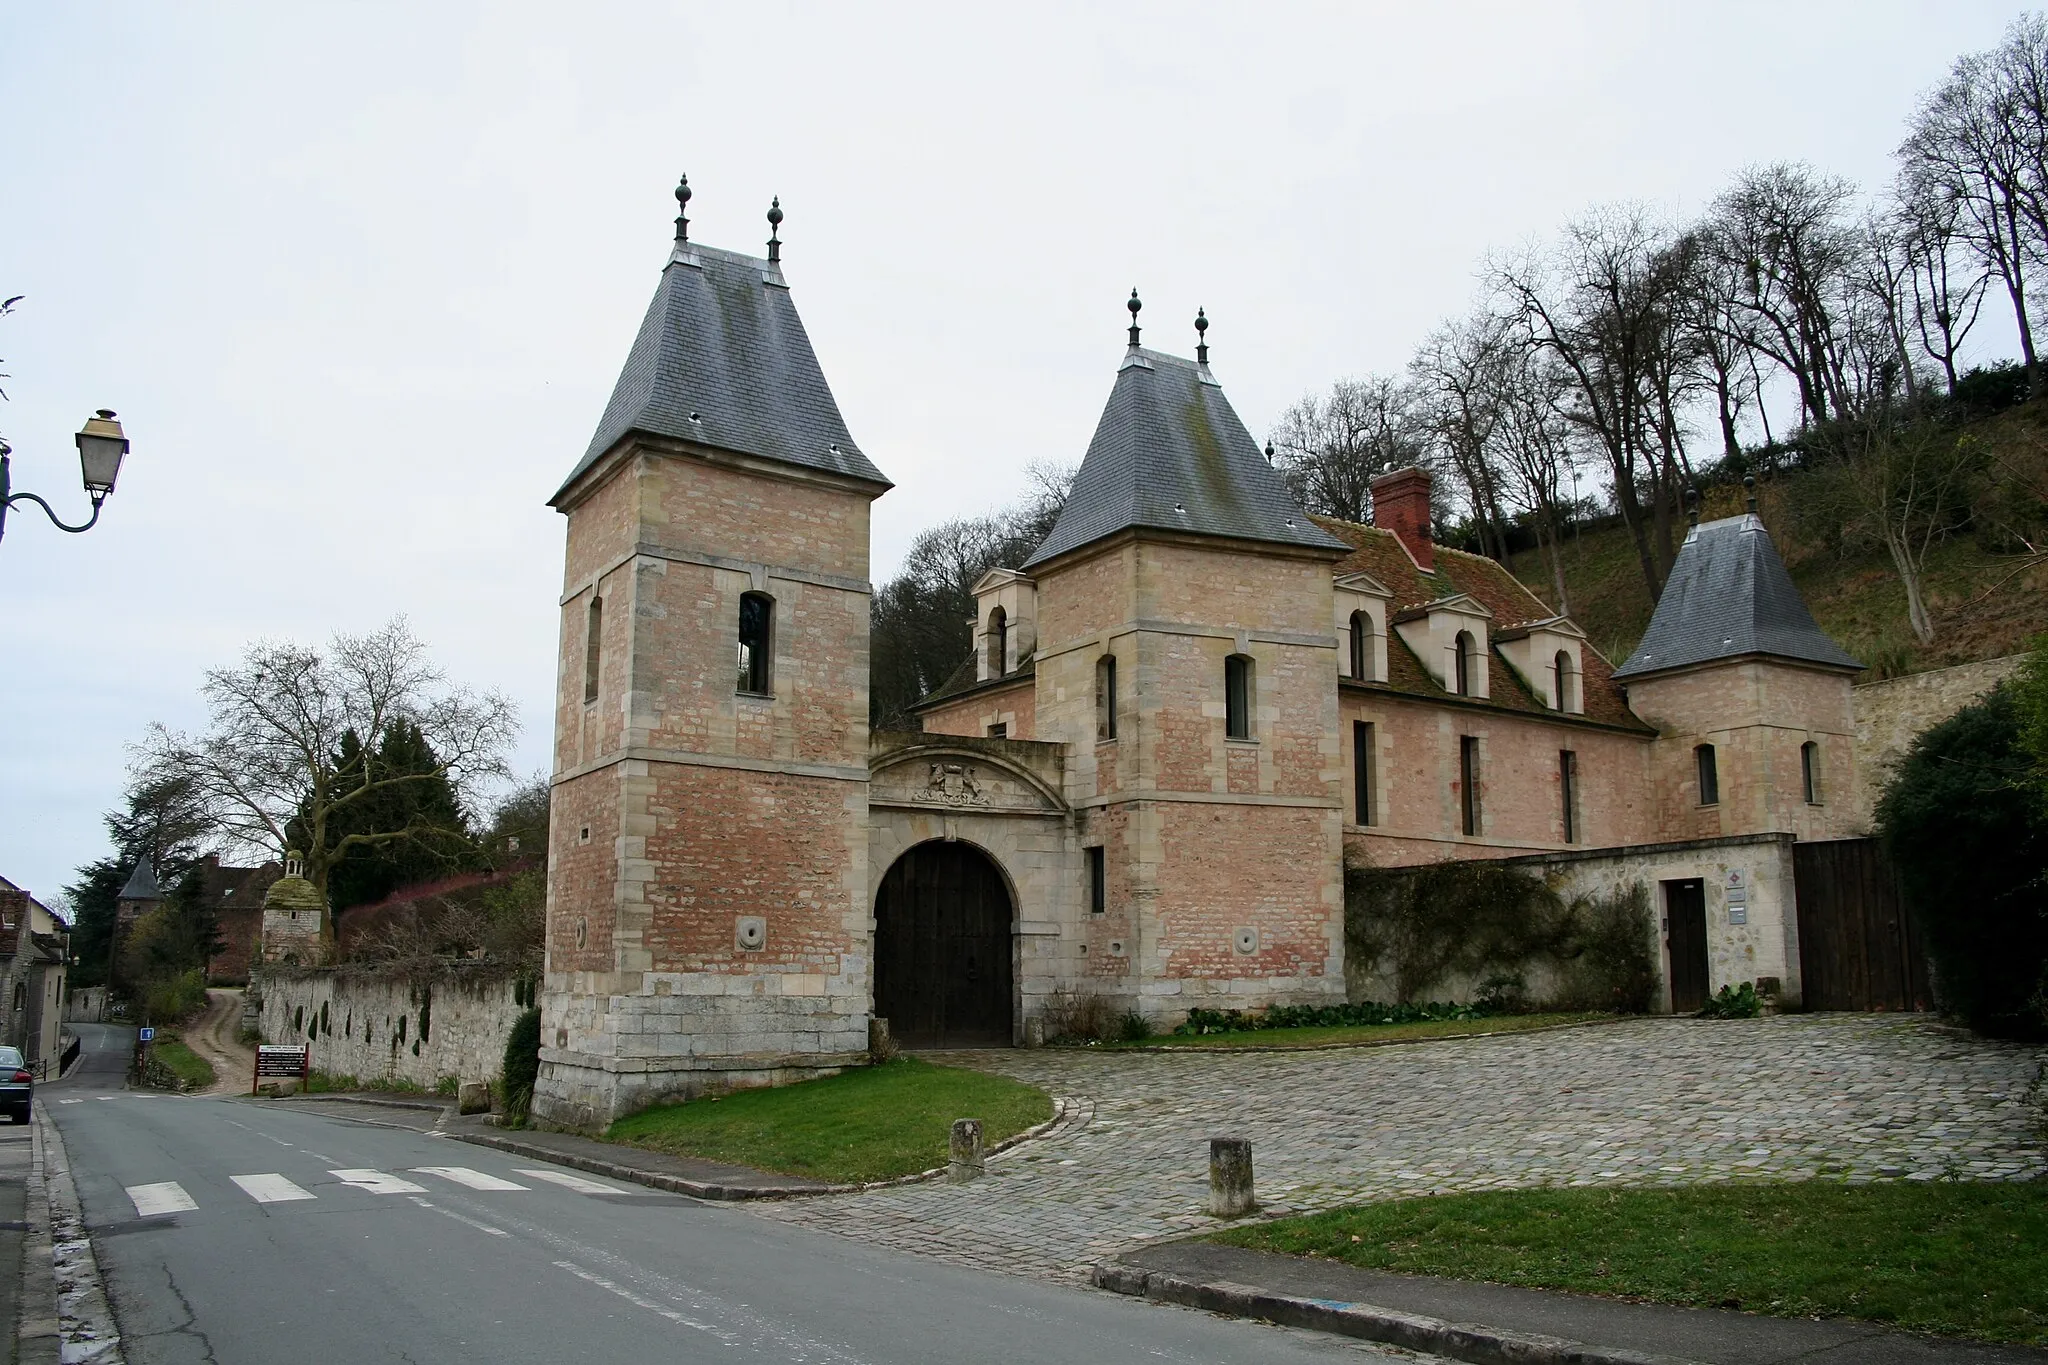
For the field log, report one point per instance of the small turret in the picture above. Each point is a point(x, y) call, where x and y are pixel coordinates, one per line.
point(295, 921)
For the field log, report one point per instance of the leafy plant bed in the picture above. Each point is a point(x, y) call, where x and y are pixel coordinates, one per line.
point(193, 1071)
point(1337, 1034)
point(1963, 1259)
point(874, 1123)
point(335, 1082)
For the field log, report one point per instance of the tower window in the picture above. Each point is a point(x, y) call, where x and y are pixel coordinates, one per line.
point(1364, 734)
point(1098, 881)
point(1809, 771)
point(998, 642)
point(1710, 775)
point(757, 638)
point(1105, 697)
point(1237, 697)
point(1468, 782)
point(593, 648)
point(1465, 664)
point(1566, 682)
point(1568, 791)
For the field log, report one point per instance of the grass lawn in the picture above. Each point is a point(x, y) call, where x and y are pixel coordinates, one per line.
point(872, 1123)
point(188, 1066)
point(1364, 1033)
point(1956, 1258)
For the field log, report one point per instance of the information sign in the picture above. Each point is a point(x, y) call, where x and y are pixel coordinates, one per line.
point(146, 1035)
point(281, 1061)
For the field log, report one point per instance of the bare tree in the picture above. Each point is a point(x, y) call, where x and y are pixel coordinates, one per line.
point(1945, 283)
point(1538, 450)
point(1330, 448)
point(278, 720)
point(1717, 335)
point(1457, 379)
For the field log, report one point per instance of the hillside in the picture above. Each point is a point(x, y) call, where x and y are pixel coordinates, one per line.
point(1984, 604)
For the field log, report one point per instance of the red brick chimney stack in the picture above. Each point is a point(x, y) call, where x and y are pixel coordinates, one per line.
point(1400, 503)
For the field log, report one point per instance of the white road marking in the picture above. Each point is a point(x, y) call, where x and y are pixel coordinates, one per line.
point(461, 1218)
point(463, 1175)
point(576, 1182)
point(377, 1182)
point(318, 1156)
point(650, 1305)
point(79, 1101)
point(269, 1189)
point(164, 1197)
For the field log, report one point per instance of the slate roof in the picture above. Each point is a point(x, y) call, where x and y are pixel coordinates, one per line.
point(1170, 453)
point(722, 341)
point(1729, 595)
point(142, 883)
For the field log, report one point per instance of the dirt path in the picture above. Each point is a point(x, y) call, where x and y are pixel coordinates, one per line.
point(214, 1036)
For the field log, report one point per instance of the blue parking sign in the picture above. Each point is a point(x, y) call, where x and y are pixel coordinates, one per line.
point(147, 1035)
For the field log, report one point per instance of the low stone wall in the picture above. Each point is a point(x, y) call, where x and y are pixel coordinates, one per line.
point(1892, 713)
point(390, 1026)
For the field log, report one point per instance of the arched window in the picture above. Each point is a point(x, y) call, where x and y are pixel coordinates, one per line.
point(1710, 776)
point(1361, 646)
point(1105, 697)
point(1566, 682)
point(21, 995)
point(1466, 664)
point(1237, 697)
point(998, 642)
point(1809, 771)
point(757, 641)
point(593, 648)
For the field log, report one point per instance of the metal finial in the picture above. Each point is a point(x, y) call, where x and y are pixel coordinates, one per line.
point(1269, 452)
point(1749, 486)
point(1692, 506)
point(1201, 336)
point(683, 209)
point(1134, 305)
point(775, 231)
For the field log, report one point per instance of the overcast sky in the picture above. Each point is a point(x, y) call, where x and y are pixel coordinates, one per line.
point(358, 278)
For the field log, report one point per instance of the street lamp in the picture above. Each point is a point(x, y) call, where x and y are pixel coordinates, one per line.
point(101, 446)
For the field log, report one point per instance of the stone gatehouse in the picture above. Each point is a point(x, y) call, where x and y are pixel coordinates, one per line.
point(1183, 713)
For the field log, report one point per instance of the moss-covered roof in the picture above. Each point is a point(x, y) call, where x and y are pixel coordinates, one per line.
point(293, 893)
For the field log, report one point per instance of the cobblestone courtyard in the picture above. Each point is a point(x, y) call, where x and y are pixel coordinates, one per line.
point(1652, 1101)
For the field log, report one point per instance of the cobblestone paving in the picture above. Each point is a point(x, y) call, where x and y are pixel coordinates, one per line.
point(1646, 1102)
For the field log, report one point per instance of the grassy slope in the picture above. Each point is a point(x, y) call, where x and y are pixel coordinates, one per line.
point(188, 1066)
point(1979, 611)
point(1958, 1258)
point(873, 1123)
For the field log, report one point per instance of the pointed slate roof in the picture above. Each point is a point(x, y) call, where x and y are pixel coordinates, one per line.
point(142, 883)
point(1729, 595)
point(1170, 453)
point(722, 359)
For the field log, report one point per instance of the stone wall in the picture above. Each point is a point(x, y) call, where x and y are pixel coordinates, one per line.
point(386, 1026)
point(1890, 714)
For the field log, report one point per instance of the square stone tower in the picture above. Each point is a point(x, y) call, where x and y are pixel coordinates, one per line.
point(707, 885)
point(1184, 653)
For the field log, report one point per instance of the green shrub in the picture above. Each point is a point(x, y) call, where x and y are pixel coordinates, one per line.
point(176, 998)
point(1203, 1021)
point(522, 1063)
point(1134, 1028)
point(1733, 1002)
point(1969, 838)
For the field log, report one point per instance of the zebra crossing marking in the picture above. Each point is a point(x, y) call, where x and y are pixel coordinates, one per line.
point(270, 1188)
point(463, 1175)
point(580, 1184)
point(377, 1182)
point(165, 1196)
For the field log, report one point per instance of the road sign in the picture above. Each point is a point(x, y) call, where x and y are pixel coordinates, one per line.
point(281, 1060)
point(146, 1035)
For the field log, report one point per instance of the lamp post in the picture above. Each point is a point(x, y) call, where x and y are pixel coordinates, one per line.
point(101, 445)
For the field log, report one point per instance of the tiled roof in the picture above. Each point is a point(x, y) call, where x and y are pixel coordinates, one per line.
point(1169, 453)
point(722, 360)
point(1380, 554)
point(142, 883)
point(962, 681)
point(1729, 595)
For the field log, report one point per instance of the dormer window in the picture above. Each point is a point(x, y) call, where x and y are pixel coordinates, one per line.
point(998, 642)
point(1564, 682)
point(1361, 646)
point(1466, 663)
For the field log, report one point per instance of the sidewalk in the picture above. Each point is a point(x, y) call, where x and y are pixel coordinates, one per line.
point(1490, 1324)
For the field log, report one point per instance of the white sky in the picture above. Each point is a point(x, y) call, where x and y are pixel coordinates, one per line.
point(358, 278)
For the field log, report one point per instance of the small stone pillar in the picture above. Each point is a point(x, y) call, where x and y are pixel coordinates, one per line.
point(1034, 1032)
point(965, 1160)
point(881, 1047)
point(474, 1097)
point(1230, 1177)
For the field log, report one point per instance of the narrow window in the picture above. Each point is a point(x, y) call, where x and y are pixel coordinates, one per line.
point(1361, 645)
point(1710, 777)
point(1463, 680)
point(999, 729)
point(998, 642)
point(1809, 771)
point(1568, 791)
point(1105, 697)
point(757, 632)
point(593, 648)
point(1363, 736)
point(1237, 697)
point(1567, 693)
point(1098, 881)
point(1468, 781)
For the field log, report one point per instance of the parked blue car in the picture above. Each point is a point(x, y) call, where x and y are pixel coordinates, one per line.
point(17, 1084)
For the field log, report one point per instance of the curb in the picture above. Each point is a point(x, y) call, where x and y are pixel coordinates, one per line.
point(344, 1098)
point(64, 1310)
point(1457, 1340)
point(1063, 1110)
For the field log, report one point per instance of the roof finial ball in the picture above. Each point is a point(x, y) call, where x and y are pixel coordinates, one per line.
point(775, 231)
point(1749, 488)
point(1134, 305)
point(1201, 336)
point(1692, 505)
point(683, 209)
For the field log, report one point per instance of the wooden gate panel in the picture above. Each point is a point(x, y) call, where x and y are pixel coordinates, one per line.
point(943, 947)
point(1857, 948)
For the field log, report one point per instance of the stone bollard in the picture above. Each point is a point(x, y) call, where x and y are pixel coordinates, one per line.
point(473, 1098)
point(881, 1047)
point(1230, 1177)
point(1034, 1032)
point(965, 1160)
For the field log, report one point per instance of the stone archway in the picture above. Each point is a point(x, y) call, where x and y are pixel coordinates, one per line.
point(943, 970)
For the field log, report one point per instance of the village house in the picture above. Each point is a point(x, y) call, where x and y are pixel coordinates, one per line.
point(35, 946)
point(1183, 714)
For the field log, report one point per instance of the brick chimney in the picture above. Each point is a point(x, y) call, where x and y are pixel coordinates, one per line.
point(1400, 503)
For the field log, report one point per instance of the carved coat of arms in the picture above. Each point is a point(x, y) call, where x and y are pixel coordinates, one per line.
point(952, 784)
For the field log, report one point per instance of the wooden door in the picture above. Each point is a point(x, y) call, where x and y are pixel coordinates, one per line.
point(1685, 933)
point(942, 948)
point(1857, 948)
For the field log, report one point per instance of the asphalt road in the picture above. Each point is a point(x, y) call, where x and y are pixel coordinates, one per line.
point(238, 1231)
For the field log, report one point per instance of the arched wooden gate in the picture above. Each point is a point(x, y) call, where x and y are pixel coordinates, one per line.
point(942, 948)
